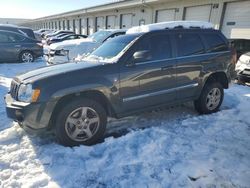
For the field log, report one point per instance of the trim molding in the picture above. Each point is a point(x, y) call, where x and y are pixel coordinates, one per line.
point(159, 92)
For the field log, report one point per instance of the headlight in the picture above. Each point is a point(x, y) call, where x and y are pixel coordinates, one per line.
point(27, 94)
point(244, 59)
point(62, 52)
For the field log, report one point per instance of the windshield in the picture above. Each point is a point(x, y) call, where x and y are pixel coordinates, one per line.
point(110, 50)
point(100, 36)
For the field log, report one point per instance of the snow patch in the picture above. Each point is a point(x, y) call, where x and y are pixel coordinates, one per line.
point(169, 25)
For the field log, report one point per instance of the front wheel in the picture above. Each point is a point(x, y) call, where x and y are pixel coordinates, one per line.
point(210, 99)
point(82, 121)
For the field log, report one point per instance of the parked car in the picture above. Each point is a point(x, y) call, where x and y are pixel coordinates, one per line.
point(64, 37)
point(21, 30)
point(49, 31)
point(130, 73)
point(17, 47)
point(241, 45)
point(57, 33)
point(63, 52)
point(243, 68)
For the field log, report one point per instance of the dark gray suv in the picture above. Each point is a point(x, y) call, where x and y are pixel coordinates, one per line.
point(127, 74)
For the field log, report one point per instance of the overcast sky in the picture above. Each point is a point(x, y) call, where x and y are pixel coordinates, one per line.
point(40, 8)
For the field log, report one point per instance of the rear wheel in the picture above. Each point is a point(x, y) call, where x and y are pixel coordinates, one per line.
point(26, 57)
point(82, 121)
point(210, 99)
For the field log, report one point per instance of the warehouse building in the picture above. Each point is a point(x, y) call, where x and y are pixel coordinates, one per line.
point(230, 16)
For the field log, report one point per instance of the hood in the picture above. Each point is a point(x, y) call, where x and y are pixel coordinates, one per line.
point(69, 43)
point(46, 72)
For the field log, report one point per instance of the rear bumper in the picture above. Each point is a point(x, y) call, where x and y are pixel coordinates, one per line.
point(33, 117)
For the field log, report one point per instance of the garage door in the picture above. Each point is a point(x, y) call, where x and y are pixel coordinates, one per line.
point(199, 13)
point(165, 15)
point(236, 22)
point(99, 23)
point(90, 25)
point(126, 21)
point(84, 26)
point(111, 20)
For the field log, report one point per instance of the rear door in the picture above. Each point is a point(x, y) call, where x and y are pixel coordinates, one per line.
point(190, 57)
point(149, 82)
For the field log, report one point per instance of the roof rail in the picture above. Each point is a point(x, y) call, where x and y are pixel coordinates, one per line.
point(170, 25)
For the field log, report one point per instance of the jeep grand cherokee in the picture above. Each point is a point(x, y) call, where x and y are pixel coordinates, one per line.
point(130, 73)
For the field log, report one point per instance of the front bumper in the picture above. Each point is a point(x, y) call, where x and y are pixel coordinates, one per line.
point(244, 76)
point(51, 60)
point(32, 116)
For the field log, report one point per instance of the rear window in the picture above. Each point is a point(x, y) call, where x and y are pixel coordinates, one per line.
point(189, 44)
point(215, 43)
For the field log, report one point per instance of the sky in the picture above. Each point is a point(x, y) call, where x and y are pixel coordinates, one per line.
point(39, 8)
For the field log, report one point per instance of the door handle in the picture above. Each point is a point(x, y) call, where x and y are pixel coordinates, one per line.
point(167, 67)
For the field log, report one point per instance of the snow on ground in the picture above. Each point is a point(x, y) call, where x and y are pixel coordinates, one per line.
point(172, 147)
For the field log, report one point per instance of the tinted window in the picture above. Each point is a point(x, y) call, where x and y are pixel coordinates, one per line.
point(159, 46)
point(10, 37)
point(15, 38)
point(3, 37)
point(189, 44)
point(27, 32)
point(215, 43)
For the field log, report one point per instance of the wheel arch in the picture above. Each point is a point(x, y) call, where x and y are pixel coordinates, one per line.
point(95, 95)
point(220, 77)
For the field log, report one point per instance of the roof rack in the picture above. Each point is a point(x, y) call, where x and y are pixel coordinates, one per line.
point(170, 25)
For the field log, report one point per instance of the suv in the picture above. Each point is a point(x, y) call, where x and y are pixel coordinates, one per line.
point(127, 74)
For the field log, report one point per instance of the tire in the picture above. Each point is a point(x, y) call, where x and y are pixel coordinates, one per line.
point(26, 57)
point(210, 99)
point(82, 121)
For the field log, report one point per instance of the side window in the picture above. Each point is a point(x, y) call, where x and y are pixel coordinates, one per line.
point(15, 38)
point(3, 38)
point(72, 37)
point(159, 47)
point(215, 43)
point(189, 44)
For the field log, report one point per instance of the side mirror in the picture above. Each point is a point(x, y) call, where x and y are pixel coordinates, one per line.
point(142, 56)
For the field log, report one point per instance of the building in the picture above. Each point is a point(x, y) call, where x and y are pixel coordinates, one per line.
point(231, 16)
point(14, 21)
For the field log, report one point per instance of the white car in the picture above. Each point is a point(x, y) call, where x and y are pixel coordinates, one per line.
point(66, 51)
point(243, 68)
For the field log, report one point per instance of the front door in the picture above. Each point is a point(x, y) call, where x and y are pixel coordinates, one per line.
point(149, 82)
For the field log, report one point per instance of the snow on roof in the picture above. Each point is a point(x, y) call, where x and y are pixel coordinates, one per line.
point(169, 25)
